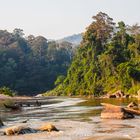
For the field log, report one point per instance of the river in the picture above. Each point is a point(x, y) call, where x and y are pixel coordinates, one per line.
point(77, 118)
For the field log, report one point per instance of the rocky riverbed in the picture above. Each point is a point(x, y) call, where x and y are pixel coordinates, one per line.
point(76, 119)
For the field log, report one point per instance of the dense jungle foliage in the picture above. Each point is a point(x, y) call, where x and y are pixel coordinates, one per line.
point(107, 60)
point(30, 65)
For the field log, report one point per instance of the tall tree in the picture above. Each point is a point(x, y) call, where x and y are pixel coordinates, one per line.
point(107, 61)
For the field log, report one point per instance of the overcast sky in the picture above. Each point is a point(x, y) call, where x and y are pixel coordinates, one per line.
point(55, 19)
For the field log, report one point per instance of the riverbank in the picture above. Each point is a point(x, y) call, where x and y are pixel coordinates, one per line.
point(4, 97)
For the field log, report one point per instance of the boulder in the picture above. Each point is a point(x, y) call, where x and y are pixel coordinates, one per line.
point(16, 130)
point(127, 96)
point(39, 95)
point(117, 94)
point(133, 105)
point(115, 112)
point(133, 111)
point(112, 96)
point(48, 127)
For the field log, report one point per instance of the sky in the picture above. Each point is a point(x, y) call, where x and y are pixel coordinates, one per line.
point(55, 19)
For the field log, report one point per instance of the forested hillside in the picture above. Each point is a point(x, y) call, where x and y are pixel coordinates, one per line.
point(74, 39)
point(30, 65)
point(107, 60)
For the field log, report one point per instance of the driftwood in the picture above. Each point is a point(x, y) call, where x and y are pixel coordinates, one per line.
point(115, 112)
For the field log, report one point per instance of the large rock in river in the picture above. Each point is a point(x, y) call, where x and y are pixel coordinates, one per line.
point(48, 127)
point(16, 130)
point(115, 112)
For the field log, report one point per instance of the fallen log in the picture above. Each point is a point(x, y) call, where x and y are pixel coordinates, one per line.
point(115, 112)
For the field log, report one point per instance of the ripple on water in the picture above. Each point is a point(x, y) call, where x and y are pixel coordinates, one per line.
point(79, 110)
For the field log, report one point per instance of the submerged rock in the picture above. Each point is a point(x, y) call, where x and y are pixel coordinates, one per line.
point(115, 112)
point(16, 130)
point(48, 127)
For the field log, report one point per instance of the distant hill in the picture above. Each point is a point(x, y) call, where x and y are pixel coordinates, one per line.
point(74, 39)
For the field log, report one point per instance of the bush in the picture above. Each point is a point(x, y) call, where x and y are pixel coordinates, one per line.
point(7, 91)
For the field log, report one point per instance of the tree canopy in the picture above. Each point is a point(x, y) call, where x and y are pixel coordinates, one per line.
point(30, 65)
point(107, 60)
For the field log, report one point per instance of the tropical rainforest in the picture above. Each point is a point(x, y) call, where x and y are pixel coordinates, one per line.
point(107, 60)
point(30, 65)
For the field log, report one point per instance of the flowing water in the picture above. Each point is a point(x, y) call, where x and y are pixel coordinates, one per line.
point(78, 110)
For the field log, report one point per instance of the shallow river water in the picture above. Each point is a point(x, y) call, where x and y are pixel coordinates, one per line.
point(82, 115)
